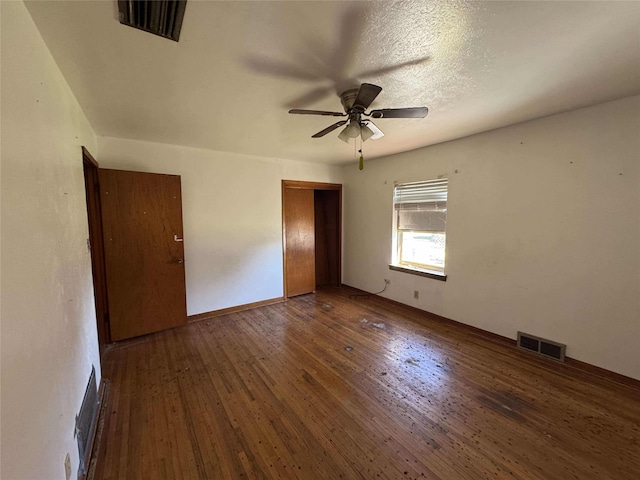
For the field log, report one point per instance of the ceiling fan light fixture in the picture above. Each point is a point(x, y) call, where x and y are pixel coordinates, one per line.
point(366, 133)
point(343, 135)
point(353, 129)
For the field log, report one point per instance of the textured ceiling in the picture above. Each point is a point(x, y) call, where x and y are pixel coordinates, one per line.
point(239, 66)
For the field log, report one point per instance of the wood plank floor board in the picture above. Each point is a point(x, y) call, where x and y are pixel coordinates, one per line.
point(325, 387)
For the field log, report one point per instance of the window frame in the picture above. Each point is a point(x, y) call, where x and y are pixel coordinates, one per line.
point(416, 268)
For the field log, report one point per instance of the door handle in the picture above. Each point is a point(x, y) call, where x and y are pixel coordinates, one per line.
point(179, 260)
point(176, 239)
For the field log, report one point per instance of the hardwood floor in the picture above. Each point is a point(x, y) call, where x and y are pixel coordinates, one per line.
point(327, 387)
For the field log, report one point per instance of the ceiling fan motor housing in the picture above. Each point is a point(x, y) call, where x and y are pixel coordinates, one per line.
point(348, 98)
point(354, 111)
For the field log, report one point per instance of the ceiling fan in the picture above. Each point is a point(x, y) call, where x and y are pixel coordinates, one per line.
point(355, 102)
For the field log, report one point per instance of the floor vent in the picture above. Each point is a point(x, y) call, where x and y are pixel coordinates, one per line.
point(541, 346)
point(160, 17)
point(86, 421)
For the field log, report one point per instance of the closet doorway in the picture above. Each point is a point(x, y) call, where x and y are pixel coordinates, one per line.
point(312, 235)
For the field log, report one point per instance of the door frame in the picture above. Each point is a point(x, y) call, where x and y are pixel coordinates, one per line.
point(96, 247)
point(309, 186)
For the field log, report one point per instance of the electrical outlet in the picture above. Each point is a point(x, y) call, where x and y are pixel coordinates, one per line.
point(387, 281)
point(416, 294)
point(67, 466)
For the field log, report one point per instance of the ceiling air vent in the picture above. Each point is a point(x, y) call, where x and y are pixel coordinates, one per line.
point(160, 17)
point(541, 346)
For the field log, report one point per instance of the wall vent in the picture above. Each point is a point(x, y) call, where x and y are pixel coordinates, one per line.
point(541, 346)
point(86, 422)
point(160, 17)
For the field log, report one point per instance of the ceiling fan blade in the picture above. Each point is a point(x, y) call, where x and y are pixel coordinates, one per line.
point(322, 133)
point(377, 133)
point(366, 95)
point(414, 112)
point(316, 112)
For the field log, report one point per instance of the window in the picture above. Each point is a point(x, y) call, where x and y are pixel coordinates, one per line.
point(419, 230)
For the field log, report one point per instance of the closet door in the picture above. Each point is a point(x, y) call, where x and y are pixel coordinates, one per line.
point(299, 238)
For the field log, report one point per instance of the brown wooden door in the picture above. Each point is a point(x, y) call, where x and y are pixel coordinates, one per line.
point(142, 227)
point(299, 226)
point(96, 246)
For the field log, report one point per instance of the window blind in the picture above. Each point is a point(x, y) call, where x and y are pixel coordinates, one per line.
point(421, 206)
point(431, 191)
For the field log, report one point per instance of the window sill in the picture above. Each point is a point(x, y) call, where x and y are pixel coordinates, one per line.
point(421, 272)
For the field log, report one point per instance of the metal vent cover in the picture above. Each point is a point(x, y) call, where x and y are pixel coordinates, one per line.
point(85, 420)
point(160, 17)
point(542, 346)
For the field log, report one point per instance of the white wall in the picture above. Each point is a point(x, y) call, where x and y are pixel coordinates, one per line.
point(543, 231)
point(49, 339)
point(232, 214)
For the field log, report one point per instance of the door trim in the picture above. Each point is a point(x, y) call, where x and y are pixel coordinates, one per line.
point(298, 184)
point(96, 247)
